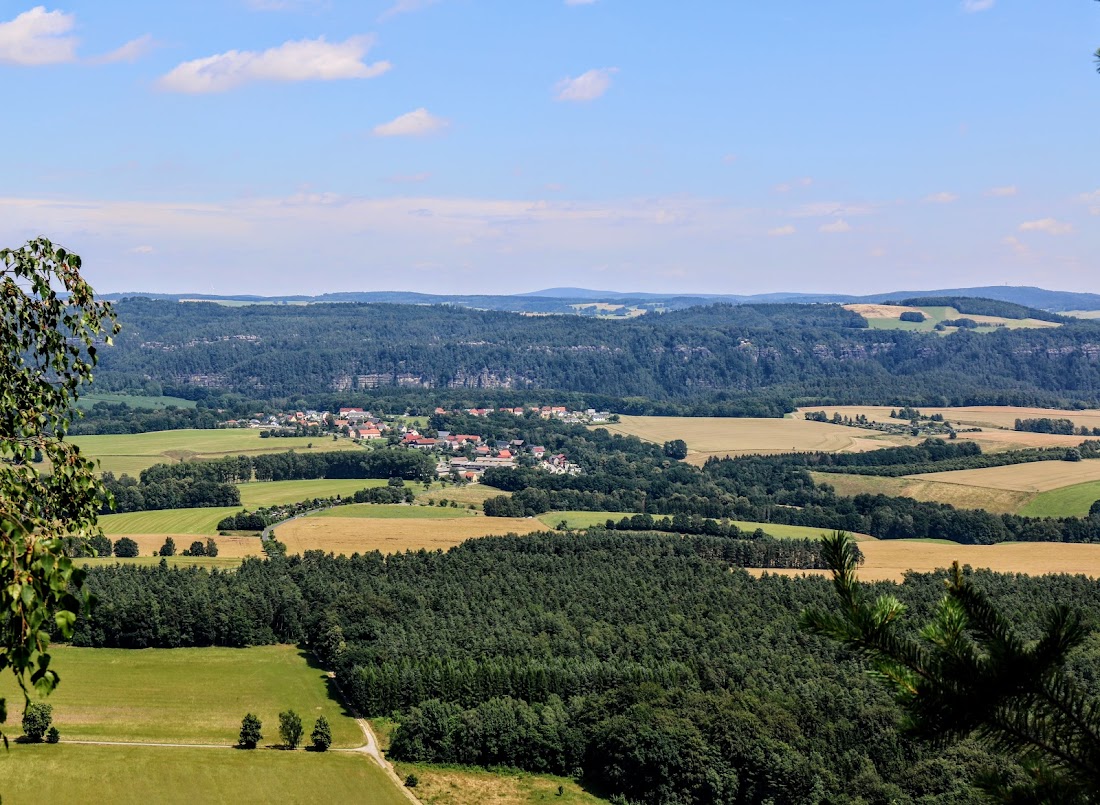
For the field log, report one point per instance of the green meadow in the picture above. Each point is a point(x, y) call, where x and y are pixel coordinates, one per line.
point(183, 695)
point(166, 521)
point(271, 493)
point(588, 519)
point(125, 775)
point(1069, 501)
point(394, 511)
point(134, 401)
point(131, 453)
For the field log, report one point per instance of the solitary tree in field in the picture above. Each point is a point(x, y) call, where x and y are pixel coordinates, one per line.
point(36, 720)
point(168, 548)
point(211, 547)
point(290, 729)
point(50, 329)
point(321, 737)
point(967, 672)
point(250, 732)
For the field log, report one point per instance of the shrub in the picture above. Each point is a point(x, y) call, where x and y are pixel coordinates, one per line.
point(250, 732)
point(36, 720)
point(321, 737)
point(52, 735)
point(126, 548)
point(412, 781)
point(196, 549)
point(912, 316)
point(290, 729)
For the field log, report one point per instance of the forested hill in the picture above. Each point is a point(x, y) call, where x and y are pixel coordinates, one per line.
point(820, 353)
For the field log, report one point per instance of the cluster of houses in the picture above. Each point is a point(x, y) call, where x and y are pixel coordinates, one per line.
point(587, 417)
point(463, 455)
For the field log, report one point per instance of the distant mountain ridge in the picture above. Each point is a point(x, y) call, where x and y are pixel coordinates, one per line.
point(574, 300)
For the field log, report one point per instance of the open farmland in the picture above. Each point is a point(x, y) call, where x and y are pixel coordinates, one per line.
point(982, 416)
point(888, 317)
point(887, 560)
point(998, 501)
point(273, 493)
point(134, 401)
point(733, 436)
point(131, 453)
point(230, 549)
point(166, 521)
point(392, 511)
point(184, 695)
point(1035, 476)
point(348, 535)
point(135, 775)
point(1069, 501)
point(472, 494)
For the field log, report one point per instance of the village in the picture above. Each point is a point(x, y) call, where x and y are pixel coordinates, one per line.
point(462, 456)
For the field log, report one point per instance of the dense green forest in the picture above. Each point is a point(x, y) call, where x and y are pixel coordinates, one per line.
point(718, 358)
point(646, 664)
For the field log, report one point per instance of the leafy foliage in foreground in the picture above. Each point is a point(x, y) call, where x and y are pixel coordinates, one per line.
point(48, 348)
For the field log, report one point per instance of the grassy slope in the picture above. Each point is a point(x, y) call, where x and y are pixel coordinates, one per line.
point(184, 695)
point(999, 501)
point(136, 774)
point(475, 494)
point(166, 521)
point(1069, 501)
point(135, 401)
point(270, 493)
point(131, 453)
point(395, 511)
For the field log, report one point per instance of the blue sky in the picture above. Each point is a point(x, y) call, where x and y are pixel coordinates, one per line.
point(500, 146)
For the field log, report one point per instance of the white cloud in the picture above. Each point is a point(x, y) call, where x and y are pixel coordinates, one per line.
point(837, 226)
point(405, 7)
point(38, 37)
point(786, 187)
point(142, 250)
point(579, 2)
point(972, 6)
point(302, 60)
point(729, 159)
point(941, 198)
point(1048, 225)
point(130, 52)
point(585, 87)
point(781, 231)
point(1093, 200)
point(1006, 190)
point(411, 124)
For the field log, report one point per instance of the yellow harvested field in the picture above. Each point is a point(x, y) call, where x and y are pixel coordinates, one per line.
point(998, 501)
point(228, 547)
point(1037, 476)
point(881, 311)
point(983, 416)
point(887, 560)
point(348, 535)
point(734, 436)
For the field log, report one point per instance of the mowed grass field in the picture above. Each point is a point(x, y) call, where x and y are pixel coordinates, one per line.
point(1069, 501)
point(733, 436)
point(271, 493)
point(184, 695)
point(136, 775)
point(348, 535)
point(887, 560)
point(135, 401)
point(131, 453)
point(166, 521)
point(469, 495)
point(230, 549)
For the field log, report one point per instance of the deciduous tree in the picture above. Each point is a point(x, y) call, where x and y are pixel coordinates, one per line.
point(50, 329)
point(290, 729)
point(321, 737)
point(250, 732)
